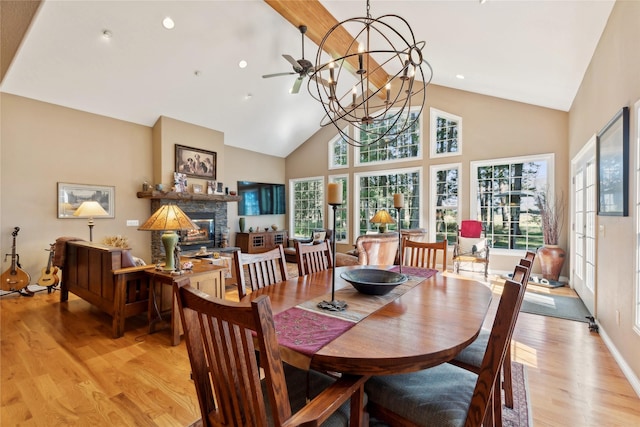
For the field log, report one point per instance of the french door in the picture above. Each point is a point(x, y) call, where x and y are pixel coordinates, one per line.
point(583, 219)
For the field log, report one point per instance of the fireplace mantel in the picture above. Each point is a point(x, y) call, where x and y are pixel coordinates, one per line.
point(171, 195)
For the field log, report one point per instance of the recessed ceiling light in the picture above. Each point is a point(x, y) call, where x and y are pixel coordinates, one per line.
point(248, 96)
point(168, 23)
point(460, 76)
point(106, 34)
point(242, 64)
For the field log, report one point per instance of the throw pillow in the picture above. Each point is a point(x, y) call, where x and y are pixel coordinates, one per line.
point(319, 236)
point(471, 245)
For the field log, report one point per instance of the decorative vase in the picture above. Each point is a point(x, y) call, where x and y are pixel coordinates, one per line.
point(551, 261)
point(241, 224)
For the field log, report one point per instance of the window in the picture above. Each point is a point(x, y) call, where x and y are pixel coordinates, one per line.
point(406, 146)
point(307, 198)
point(338, 152)
point(446, 134)
point(342, 228)
point(503, 197)
point(445, 202)
point(374, 191)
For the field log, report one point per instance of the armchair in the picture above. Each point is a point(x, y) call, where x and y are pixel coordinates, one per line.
point(318, 235)
point(471, 246)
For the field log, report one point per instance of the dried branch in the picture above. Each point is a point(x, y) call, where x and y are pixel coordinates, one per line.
point(552, 216)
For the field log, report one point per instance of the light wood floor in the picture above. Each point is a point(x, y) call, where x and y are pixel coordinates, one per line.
point(60, 367)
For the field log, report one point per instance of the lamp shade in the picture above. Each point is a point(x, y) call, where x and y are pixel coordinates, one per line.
point(168, 217)
point(90, 209)
point(382, 217)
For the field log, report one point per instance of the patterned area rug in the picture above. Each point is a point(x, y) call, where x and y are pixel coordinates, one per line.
point(520, 415)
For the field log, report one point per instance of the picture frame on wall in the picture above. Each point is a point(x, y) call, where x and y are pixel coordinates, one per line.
point(71, 196)
point(196, 162)
point(612, 159)
point(197, 188)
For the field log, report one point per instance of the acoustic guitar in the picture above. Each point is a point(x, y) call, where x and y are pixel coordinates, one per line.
point(49, 276)
point(14, 278)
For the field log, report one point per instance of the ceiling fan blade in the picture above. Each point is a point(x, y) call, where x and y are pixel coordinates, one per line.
point(266, 76)
point(319, 79)
point(296, 86)
point(296, 65)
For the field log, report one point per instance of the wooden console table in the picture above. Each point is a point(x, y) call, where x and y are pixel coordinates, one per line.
point(204, 276)
point(261, 241)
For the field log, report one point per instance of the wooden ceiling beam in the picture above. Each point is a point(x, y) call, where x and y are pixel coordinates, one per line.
point(319, 21)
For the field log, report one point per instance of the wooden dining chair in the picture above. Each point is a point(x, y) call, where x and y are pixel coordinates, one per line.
point(222, 352)
point(423, 254)
point(447, 395)
point(263, 269)
point(312, 258)
point(470, 358)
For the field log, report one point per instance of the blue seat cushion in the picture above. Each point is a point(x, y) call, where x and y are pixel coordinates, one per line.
point(439, 396)
point(472, 354)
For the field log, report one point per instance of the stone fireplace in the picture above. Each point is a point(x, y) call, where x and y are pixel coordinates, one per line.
point(208, 211)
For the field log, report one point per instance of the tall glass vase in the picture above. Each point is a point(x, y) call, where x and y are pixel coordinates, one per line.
point(241, 224)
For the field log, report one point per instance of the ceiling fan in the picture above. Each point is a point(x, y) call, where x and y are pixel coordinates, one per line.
point(301, 67)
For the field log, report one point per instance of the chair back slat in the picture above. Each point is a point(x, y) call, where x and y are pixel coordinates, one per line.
point(499, 339)
point(313, 258)
point(423, 255)
point(220, 343)
point(263, 269)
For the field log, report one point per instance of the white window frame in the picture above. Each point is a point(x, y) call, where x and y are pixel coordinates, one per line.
point(473, 186)
point(292, 201)
point(390, 208)
point(433, 191)
point(332, 160)
point(433, 134)
point(344, 207)
point(418, 156)
point(636, 323)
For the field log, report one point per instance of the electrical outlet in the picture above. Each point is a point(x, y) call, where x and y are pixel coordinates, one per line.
point(133, 223)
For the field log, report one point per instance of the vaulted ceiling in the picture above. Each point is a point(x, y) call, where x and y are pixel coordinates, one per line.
point(524, 50)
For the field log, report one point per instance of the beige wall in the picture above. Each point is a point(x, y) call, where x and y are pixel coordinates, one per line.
point(244, 165)
point(491, 128)
point(611, 82)
point(43, 144)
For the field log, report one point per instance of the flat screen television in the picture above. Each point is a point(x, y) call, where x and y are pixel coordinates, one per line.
point(260, 198)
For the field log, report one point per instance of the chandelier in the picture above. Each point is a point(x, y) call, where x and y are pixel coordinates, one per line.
point(377, 101)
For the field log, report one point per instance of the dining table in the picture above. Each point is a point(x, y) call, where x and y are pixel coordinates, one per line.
point(422, 323)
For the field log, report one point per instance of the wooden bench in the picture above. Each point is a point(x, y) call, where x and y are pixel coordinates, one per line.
point(94, 272)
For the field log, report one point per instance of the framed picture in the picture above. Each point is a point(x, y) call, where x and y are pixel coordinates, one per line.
point(211, 187)
point(71, 196)
point(195, 162)
point(197, 188)
point(613, 166)
point(219, 189)
point(179, 182)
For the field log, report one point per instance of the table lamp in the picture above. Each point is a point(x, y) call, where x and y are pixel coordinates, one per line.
point(90, 209)
point(383, 218)
point(169, 218)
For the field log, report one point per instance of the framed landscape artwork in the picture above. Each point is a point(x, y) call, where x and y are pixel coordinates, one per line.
point(71, 196)
point(195, 162)
point(613, 166)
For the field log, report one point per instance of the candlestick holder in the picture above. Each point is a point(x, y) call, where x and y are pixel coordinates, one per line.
point(399, 240)
point(333, 305)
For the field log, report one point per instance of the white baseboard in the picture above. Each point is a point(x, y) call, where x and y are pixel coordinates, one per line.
point(626, 369)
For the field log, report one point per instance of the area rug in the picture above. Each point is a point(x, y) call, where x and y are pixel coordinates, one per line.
point(520, 415)
point(571, 308)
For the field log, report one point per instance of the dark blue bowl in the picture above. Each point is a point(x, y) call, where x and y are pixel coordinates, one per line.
point(372, 281)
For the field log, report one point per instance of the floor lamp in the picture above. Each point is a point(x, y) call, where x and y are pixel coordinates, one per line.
point(90, 209)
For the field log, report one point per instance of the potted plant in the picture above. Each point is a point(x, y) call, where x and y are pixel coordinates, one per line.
point(551, 255)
